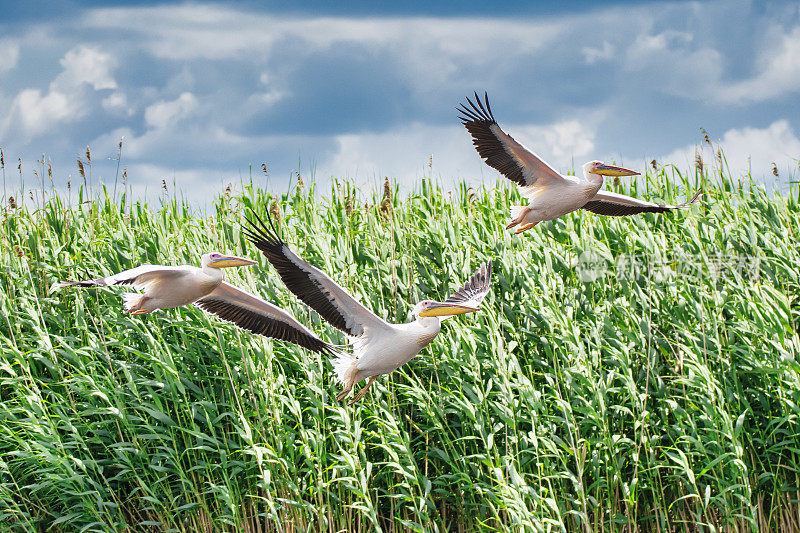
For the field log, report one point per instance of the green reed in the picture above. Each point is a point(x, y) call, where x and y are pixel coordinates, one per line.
point(589, 394)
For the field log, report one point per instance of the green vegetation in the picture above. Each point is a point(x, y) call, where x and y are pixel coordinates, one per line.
point(662, 395)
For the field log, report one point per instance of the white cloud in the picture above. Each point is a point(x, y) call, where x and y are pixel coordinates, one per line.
point(404, 153)
point(558, 143)
point(645, 46)
point(593, 55)
point(32, 113)
point(692, 70)
point(428, 51)
point(749, 148)
point(147, 181)
point(680, 66)
point(9, 54)
point(115, 102)
point(194, 31)
point(36, 113)
point(779, 73)
point(87, 64)
point(163, 114)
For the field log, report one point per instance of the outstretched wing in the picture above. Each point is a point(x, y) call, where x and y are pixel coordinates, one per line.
point(618, 205)
point(475, 289)
point(258, 316)
point(310, 284)
point(502, 152)
point(139, 277)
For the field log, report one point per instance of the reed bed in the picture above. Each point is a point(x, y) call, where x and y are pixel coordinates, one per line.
point(632, 374)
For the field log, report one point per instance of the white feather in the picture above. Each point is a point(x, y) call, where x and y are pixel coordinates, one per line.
point(129, 299)
point(344, 366)
point(516, 210)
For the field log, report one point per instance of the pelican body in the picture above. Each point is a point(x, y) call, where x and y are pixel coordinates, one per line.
point(166, 287)
point(386, 348)
point(378, 346)
point(551, 194)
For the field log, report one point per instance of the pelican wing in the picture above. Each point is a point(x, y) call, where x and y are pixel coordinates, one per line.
point(310, 284)
point(139, 277)
point(263, 318)
point(618, 205)
point(475, 289)
point(502, 152)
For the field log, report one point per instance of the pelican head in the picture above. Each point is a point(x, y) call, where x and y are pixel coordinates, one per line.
point(598, 167)
point(428, 308)
point(218, 260)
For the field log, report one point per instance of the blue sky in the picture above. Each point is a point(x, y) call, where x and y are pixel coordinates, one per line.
point(202, 91)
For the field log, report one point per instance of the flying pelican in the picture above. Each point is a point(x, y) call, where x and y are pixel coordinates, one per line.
point(551, 195)
point(166, 287)
point(378, 347)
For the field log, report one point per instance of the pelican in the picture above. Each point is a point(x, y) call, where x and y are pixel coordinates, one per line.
point(166, 287)
point(378, 347)
point(551, 195)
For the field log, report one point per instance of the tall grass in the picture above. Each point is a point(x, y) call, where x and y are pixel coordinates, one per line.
point(633, 374)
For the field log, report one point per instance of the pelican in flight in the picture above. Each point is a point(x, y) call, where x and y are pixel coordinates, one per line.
point(166, 287)
point(551, 195)
point(378, 347)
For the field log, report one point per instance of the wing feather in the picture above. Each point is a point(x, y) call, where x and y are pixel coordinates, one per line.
point(253, 314)
point(143, 275)
point(501, 151)
point(138, 277)
point(475, 289)
point(310, 284)
point(618, 205)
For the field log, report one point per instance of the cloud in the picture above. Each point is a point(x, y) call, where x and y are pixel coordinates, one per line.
point(681, 66)
point(748, 148)
point(779, 72)
point(689, 67)
point(116, 102)
point(164, 114)
point(558, 143)
point(193, 31)
point(411, 151)
point(209, 89)
point(9, 54)
point(33, 113)
point(593, 55)
point(147, 181)
point(86, 64)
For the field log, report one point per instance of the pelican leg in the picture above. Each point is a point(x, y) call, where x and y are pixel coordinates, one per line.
point(520, 217)
point(342, 395)
point(526, 227)
point(136, 309)
point(363, 391)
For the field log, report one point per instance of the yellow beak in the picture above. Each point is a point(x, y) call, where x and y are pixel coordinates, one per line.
point(444, 309)
point(611, 170)
point(230, 261)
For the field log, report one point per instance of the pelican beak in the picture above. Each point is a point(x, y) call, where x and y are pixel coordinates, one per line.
point(445, 309)
point(230, 261)
point(611, 170)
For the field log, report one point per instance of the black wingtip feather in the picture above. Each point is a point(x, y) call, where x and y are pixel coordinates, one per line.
point(478, 113)
point(262, 325)
point(612, 209)
point(296, 278)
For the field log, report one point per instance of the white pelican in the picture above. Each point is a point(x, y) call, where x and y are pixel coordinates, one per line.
point(378, 347)
point(166, 287)
point(551, 195)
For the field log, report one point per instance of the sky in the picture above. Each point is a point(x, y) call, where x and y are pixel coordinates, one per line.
point(201, 93)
